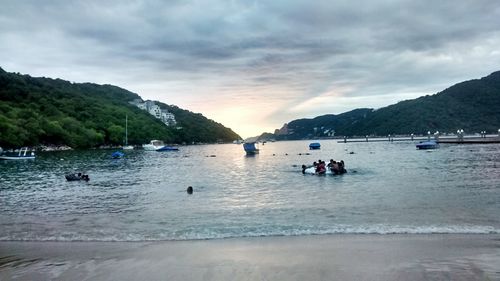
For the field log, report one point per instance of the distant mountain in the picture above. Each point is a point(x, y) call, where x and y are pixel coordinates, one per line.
point(46, 111)
point(472, 105)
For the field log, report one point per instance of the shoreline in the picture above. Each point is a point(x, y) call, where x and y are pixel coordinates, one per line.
point(315, 257)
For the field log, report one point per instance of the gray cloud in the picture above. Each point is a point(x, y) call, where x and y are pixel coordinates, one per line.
point(191, 52)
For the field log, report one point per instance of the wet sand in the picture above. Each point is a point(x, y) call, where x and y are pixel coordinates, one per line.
point(326, 257)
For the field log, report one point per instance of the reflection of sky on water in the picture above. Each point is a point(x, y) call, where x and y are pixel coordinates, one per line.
point(390, 187)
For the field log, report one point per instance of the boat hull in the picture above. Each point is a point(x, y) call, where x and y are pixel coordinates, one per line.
point(149, 147)
point(252, 152)
point(168, 148)
point(314, 145)
point(427, 145)
point(3, 157)
point(21, 154)
point(250, 148)
point(156, 145)
point(117, 155)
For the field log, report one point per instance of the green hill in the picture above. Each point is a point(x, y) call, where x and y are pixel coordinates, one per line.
point(473, 106)
point(46, 111)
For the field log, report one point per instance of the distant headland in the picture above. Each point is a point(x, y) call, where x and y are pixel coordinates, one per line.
point(472, 106)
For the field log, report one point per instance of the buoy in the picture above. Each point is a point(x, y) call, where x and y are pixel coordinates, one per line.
point(190, 190)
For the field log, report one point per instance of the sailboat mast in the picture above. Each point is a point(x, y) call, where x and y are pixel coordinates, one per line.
point(126, 130)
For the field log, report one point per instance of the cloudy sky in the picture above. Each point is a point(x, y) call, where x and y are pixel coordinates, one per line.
point(254, 65)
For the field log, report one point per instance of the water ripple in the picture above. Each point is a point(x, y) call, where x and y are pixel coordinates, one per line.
point(389, 188)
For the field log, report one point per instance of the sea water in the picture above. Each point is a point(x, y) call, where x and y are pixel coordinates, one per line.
point(390, 187)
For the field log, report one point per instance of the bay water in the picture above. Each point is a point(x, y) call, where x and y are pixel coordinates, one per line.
point(390, 187)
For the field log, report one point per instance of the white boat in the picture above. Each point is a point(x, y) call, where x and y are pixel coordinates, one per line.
point(158, 145)
point(22, 153)
point(153, 145)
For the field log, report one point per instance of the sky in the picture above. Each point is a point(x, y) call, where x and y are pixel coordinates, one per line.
point(255, 65)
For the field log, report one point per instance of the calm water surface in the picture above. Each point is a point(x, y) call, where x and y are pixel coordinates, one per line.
point(389, 188)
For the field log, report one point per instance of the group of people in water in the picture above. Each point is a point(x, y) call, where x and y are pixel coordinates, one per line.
point(321, 167)
point(77, 177)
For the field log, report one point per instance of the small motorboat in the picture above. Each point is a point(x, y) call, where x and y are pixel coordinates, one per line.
point(250, 148)
point(117, 155)
point(77, 177)
point(168, 148)
point(427, 145)
point(153, 145)
point(23, 153)
point(314, 145)
point(158, 145)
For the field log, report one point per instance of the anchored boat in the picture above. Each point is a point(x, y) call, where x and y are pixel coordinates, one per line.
point(117, 155)
point(314, 145)
point(427, 145)
point(126, 146)
point(168, 148)
point(23, 153)
point(250, 148)
point(158, 145)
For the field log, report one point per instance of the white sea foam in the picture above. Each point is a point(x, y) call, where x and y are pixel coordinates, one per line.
point(224, 233)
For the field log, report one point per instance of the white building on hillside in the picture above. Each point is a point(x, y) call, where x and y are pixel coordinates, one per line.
point(155, 111)
point(166, 117)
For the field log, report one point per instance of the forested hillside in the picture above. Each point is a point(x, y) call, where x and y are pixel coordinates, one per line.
point(473, 106)
point(46, 111)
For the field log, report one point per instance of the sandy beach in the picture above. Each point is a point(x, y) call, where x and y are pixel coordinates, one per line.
point(326, 257)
